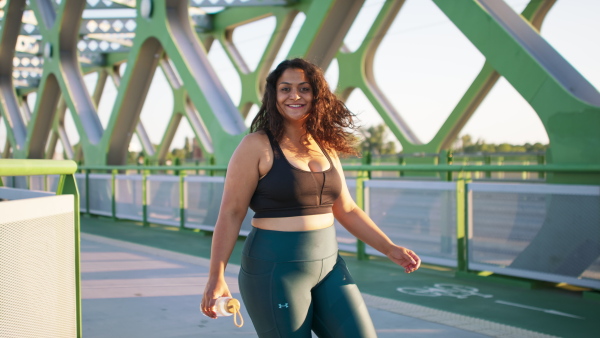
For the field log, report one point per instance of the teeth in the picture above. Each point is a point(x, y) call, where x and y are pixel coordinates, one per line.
point(295, 105)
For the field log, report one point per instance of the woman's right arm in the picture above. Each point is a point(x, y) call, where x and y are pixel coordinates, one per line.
point(240, 183)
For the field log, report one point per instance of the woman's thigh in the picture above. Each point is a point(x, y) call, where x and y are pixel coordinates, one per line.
point(278, 296)
point(338, 307)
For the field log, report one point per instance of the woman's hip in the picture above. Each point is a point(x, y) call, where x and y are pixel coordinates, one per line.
point(289, 246)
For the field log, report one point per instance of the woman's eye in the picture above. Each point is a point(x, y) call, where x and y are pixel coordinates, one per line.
point(285, 89)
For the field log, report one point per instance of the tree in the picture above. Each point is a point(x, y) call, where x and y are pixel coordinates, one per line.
point(375, 140)
point(466, 145)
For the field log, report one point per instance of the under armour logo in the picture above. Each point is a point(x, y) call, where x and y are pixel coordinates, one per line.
point(283, 305)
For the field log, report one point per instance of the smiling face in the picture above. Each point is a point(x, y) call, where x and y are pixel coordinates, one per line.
point(294, 95)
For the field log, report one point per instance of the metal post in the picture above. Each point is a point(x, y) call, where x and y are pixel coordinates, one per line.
point(182, 198)
point(541, 159)
point(87, 191)
point(67, 185)
point(145, 198)
point(176, 163)
point(462, 224)
point(500, 162)
point(361, 202)
point(525, 174)
point(477, 174)
point(445, 157)
point(401, 161)
point(114, 192)
point(211, 161)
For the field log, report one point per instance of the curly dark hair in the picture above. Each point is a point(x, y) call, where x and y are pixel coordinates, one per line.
point(329, 121)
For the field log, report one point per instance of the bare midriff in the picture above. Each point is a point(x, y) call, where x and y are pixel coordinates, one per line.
point(296, 223)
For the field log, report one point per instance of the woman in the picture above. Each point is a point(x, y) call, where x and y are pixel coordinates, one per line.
point(287, 170)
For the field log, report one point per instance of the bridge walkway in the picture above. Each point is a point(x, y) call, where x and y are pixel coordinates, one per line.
point(147, 282)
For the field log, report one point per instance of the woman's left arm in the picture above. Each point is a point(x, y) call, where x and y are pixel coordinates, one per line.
point(359, 224)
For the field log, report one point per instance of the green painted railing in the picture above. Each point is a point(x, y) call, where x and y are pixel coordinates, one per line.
point(363, 174)
point(587, 168)
point(9, 167)
point(67, 185)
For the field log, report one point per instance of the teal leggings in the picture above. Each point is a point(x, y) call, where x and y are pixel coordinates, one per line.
point(295, 282)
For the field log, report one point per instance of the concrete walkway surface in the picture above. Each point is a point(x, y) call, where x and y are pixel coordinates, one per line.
point(132, 290)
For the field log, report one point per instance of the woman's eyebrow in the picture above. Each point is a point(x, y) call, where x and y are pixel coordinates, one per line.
point(287, 83)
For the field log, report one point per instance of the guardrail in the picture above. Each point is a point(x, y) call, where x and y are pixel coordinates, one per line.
point(39, 227)
point(452, 221)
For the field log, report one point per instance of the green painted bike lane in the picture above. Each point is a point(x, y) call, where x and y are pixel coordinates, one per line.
point(549, 310)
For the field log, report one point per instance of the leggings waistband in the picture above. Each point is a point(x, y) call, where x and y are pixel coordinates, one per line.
point(285, 246)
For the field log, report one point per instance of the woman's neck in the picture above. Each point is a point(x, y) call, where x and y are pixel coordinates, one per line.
point(294, 133)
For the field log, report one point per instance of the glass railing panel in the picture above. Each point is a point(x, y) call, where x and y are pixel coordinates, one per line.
point(419, 215)
point(101, 194)
point(546, 232)
point(128, 197)
point(163, 199)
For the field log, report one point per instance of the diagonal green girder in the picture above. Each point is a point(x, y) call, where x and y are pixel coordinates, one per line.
point(568, 106)
point(564, 101)
point(363, 59)
point(535, 12)
point(168, 30)
point(62, 74)
point(252, 82)
point(9, 105)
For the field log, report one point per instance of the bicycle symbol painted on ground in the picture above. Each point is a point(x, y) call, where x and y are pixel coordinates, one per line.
point(450, 290)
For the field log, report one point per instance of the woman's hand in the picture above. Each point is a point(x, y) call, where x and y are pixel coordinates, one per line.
point(405, 258)
point(212, 291)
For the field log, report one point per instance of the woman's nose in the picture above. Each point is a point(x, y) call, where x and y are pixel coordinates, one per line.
point(294, 95)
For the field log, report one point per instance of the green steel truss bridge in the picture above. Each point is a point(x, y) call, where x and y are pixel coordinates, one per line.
point(547, 230)
point(46, 48)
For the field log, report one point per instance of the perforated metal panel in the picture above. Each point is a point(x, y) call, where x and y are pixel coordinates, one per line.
point(37, 268)
point(418, 215)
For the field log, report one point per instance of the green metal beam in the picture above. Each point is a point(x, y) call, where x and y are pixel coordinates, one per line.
point(568, 106)
point(9, 106)
point(13, 167)
point(171, 37)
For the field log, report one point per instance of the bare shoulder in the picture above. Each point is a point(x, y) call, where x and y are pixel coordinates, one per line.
point(254, 151)
point(252, 146)
point(256, 139)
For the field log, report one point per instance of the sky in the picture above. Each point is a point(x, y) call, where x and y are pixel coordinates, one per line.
point(424, 65)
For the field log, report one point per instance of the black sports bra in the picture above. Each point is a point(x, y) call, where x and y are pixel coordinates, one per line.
point(286, 191)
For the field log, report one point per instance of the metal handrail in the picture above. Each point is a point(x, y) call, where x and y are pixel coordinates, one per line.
point(406, 167)
point(13, 167)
